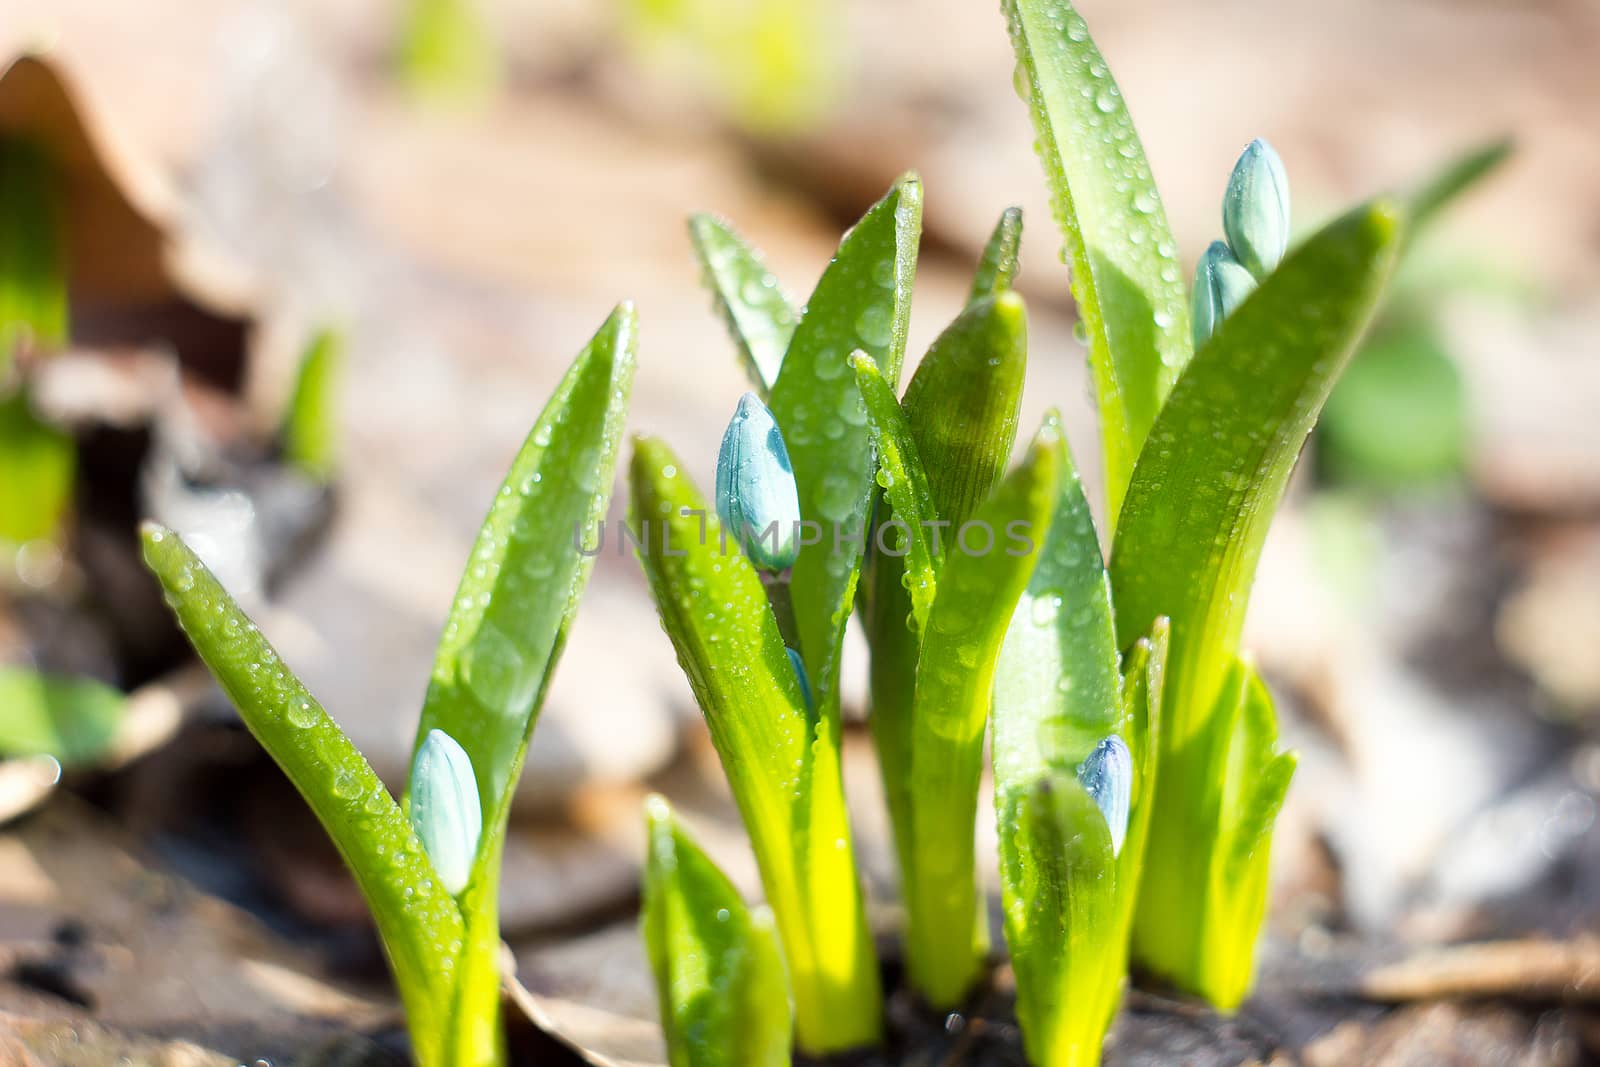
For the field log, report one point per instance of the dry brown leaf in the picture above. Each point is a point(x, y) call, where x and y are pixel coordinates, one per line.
point(130, 276)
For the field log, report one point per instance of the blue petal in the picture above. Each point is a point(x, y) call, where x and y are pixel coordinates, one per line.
point(445, 810)
point(1220, 286)
point(757, 499)
point(799, 666)
point(1107, 776)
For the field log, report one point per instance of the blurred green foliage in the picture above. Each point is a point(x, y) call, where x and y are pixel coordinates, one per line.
point(446, 52)
point(772, 66)
point(311, 423)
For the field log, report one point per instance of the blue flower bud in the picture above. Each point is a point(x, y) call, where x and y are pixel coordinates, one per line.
point(1255, 209)
point(1220, 286)
point(445, 810)
point(799, 666)
point(756, 495)
point(1107, 776)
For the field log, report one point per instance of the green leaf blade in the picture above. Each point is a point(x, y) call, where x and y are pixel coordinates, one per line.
point(759, 315)
point(781, 758)
point(904, 481)
point(718, 968)
point(417, 920)
point(311, 424)
point(529, 566)
point(962, 408)
point(964, 401)
point(862, 301)
point(38, 469)
point(1431, 196)
point(73, 719)
point(33, 251)
point(978, 592)
point(1058, 687)
point(1125, 275)
point(1058, 891)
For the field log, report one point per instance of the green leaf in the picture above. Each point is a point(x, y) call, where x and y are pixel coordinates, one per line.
point(1456, 178)
point(1125, 275)
point(718, 969)
point(773, 66)
point(964, 400)
point(311, 424)
point(73, 719)
point(862, 301)
point(1256, 792)
point(1249, 778)
point(509, 622)
point(982, 579)
point(38, 467)
point(1058, 891)
point(904, 482)
point(33, 253)
point(446, 52)
point(747, 295)
point(961, 407)
point(997, 270)
point(1212, 473)
point(529, 566)
point(781, 757)
point(1398, 416)
point(1143, 680)
point(1058, 687)
point(417, 920)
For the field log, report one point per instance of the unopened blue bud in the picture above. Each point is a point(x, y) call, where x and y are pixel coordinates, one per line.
point(1107, 776)
point(756, 495)
point(1220, 286)
point(445, 810)
point(799, 666)
point(1255, 209)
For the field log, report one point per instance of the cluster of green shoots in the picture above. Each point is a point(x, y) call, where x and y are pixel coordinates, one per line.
point(1137, 773)
point(1135, 760)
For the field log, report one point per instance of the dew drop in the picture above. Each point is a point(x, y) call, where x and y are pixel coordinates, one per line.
point(495, 670)
point(1019, 81)
point(1045, 609)
point(829, 365)
point(875, 325)
point(836, 496)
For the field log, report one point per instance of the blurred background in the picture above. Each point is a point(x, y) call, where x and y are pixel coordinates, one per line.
point(323, 262)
